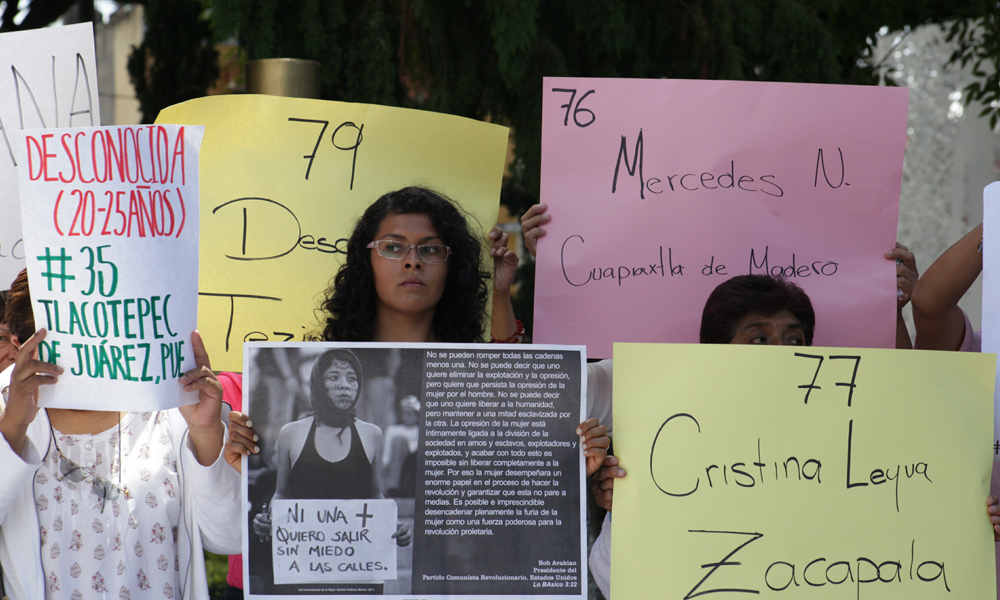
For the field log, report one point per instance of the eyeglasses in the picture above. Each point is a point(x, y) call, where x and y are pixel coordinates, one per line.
point(102, 488)
point(428, 253)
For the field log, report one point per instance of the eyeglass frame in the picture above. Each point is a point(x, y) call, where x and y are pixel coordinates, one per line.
point(101, 492)
point(105, 489)
point(376, 244)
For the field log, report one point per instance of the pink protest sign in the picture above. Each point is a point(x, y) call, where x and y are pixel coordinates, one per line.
point(661, 190)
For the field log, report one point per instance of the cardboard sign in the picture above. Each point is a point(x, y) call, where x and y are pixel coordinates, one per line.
point(325, 541)
point(991, 289)
point(285, 181)
point(813, 472)
point(661, 190)
point(52, 83)
point(111, 235)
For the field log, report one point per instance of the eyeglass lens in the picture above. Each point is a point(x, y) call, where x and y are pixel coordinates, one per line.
point(425, 252)
point(104, 489)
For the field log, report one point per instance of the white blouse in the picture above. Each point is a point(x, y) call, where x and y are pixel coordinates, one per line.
point(86, 552)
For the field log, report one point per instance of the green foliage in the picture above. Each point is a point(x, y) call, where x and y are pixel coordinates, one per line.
point(978, 40)
point(40, 13)
point(216, 569)
point(176, 60)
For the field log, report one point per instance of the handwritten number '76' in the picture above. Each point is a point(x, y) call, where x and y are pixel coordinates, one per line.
point(333, 139)
point(578, 109)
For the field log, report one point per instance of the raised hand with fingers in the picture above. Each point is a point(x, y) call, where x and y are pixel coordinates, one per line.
point(531, 225)
point(906, 273)
point(204, 425)
point(993, 509)
point(594, 442)
point(603, 482)
point(22, 400)
point(504, 262)
point(242, 440)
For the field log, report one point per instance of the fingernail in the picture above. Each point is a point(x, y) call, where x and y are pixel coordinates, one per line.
point(250, 424)
point(579, 431)
point(546, 217)
point(256, 449)
point(59, 369)
point(585, 453)
point(582, 439)
point(888, 254)
point(256, 438)
point(584, 446)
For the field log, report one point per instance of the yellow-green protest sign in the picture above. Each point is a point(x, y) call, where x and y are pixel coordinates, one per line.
point(283, 182)
point(792, 472)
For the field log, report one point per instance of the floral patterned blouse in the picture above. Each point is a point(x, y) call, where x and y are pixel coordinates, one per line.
point(125, 548)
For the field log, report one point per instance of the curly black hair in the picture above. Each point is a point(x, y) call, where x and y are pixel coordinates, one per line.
point(742, 295)
point(351, 301)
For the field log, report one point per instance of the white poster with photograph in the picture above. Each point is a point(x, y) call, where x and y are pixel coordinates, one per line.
point(52, 83)
point(111, 238)
point(414, 470)
point(991, 292)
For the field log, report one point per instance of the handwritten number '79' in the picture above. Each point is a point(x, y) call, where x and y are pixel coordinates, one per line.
point(352, 144)
point(578, 109)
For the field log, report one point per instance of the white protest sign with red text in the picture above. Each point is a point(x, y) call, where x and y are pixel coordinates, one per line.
point(111, 238)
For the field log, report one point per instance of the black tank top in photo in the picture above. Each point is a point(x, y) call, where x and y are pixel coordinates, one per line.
point(315, 478)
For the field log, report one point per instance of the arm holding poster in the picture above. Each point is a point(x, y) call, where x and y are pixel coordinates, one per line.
point(940, 323)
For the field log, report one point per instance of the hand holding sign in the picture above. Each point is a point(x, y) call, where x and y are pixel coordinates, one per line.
point(203, 417)
point(22, 399)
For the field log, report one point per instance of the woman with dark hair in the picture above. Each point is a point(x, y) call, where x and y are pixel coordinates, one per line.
point(330, 454)
point(414, 273)
point(757, 309)
point(436, 293)
point(8, 346)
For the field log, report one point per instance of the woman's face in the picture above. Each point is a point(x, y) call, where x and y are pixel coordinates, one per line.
point(8, 347)
point(779, 329)
point(341, 384)
point(408, 286)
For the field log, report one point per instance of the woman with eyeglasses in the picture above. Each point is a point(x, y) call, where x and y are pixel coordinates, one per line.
point(414, 274)
point(99, 504)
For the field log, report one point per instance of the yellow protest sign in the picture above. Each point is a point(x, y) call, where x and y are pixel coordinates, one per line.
point(283, 181)
point(801, 473)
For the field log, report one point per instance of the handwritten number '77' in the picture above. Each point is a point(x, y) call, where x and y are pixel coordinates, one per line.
point(812, 386)
point(578, 109)
point(352, 147)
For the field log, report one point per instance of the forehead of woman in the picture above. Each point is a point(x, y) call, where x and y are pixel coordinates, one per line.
point(341, 366)
point(412, 227)
point(336, 355)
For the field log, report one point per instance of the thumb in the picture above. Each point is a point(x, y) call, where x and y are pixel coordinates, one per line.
point(198, 348)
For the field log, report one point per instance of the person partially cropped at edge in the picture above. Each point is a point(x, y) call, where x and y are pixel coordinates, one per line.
point(106, 503)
